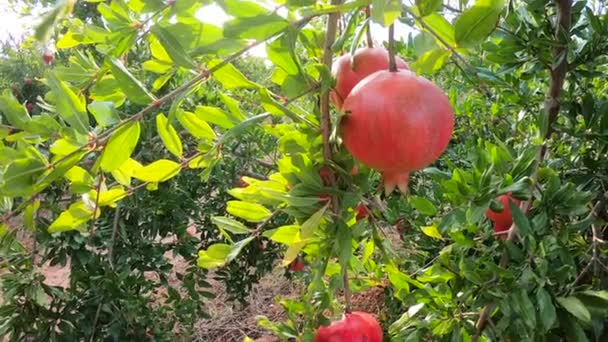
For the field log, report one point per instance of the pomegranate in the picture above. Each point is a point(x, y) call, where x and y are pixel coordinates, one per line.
point(297, 265)
point(362, 212)
point(29, 106)
point(366, 61)
point(503, 219)
point(325, 174)
point(241, 183)
point(354, 327)
point(396, 122)
point(28, 81)
point(48, 58)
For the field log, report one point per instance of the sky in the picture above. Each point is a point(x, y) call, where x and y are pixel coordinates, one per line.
point(15, 25)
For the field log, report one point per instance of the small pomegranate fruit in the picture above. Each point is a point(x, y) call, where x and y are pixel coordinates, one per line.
point(48, 58)
point(241, 183)
point(366, 61)
point(29, 106)
point(396, 122)
point(503, 219)
point(325, 174)
point(362, 212)
point(27, 81)
point(297, 265)
point(354, 327)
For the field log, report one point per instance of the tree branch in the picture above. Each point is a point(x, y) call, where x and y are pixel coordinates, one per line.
point(552, 105)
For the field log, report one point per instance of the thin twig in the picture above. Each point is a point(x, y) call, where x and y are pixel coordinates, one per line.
point(114, 236)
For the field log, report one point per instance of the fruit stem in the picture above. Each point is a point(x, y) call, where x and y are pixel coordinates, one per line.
point(368, 30)
point(346, 288)
point(392, 64)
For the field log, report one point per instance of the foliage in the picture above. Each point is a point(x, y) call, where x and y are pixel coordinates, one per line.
point(151, 95)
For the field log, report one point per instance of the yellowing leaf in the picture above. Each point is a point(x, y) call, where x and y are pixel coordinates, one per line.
point(120, 146)
point(169, 136)
point(195, 126)
point(251, 212)
point(108, 197)
point(286, 235)
point(432, 231)
point(72, 218)
point(158, 171)
point(233, 226)
point(309, 226)
point(62, 147)
point(124, 173)
point(292, 252)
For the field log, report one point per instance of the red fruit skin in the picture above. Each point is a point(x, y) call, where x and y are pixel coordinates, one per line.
point(324, 198)
point(502, 220)
point(29, 106)
point(241, 183)
point(48, 58)
point(366, 62)
point(397, 122)
point(362, 212)
point(27, 81)
point(354, 327)
point(325, 174)
point(297, 265)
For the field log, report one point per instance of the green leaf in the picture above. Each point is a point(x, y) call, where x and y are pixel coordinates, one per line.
point(427, 7)
point(237, 247)
point(424, 206)
point(431, 61)
point(169, 136)
point(15, 113)
point(233, 226)
point(546, 309)
point(173, 48)
point(384, 12)
point(292, 252)
point(280, 52)
point(309, 226)
point(344, 245)
point(69, 106)
point(29, 215)
point(215, 116)
point(523, 225)
point(441, 27)
point(432, 231)
point(259, 27)
point(251, 212)
point(71, 219)
point(229, 76)
point(158, 171)
point(134, 90)
point(104, 113)
point(195, 126)
point(475, 24)
point(120, 146)
point(574, 306)
point(43, 30)
point(21, 175)
point(215, 256)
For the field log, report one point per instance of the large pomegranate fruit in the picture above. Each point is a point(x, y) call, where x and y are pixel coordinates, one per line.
point(396, 122)
point(354, 327)
point(366, 61)
point(503, 219)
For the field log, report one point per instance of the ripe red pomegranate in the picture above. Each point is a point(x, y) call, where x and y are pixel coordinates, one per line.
point(354, 327)
point(366, 61)
point(396, 122)
point(503, 219)
point(362, 211)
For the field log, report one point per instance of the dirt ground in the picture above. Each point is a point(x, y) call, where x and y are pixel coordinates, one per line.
point(229, 321)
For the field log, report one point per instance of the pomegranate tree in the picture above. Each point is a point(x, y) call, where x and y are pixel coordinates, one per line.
point(350, 70)
point(502, 219)
point(354, 327)
point(396, 122)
